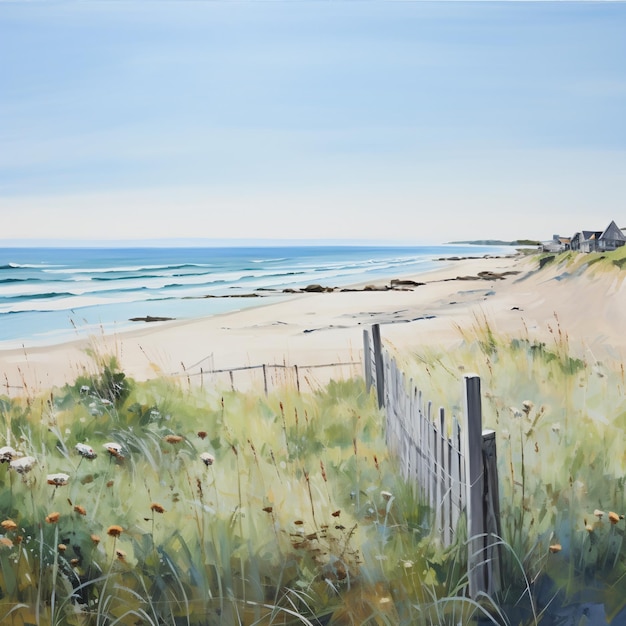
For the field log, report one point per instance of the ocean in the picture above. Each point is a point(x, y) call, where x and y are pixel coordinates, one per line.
point(52, 295)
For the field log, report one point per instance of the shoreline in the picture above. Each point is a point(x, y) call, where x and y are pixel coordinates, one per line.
point(308, 329)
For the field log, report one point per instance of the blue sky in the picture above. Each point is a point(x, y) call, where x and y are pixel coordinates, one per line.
point(408, 121)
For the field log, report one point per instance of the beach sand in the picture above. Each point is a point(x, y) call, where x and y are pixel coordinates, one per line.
point(311, 329)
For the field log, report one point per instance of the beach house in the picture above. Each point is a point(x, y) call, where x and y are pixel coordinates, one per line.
point(611, 238)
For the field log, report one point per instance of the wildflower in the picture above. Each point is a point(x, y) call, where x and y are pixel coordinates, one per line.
point(121, 555)
point(387, 495)
point(95, 539)
point(62, 547)
point(527, 406)
point(173, 438)
point(74, 562)
point(598, 513)
point(407, 564)
point(58, 480)
point(23, 465)
point(85, 451)
point(53, 518)
point(5, 542)
point(114, 449)
point(336, 513)
point(202, 434)
point(207, 458)
point(589, 528)
point(80, 509)
point(613, 517)
point(7, 453)
point(114, 531)
point(157, 508)
point(8, 524)
point(555, 547)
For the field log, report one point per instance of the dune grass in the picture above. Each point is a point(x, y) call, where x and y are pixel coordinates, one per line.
point(220, 507)
point(560, 420)
point(181, 506)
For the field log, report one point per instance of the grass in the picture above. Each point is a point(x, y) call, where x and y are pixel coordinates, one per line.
point(237, 508)
point(296, 515)
point(559, 419)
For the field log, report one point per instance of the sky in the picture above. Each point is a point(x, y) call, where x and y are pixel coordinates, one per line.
point(405, 121)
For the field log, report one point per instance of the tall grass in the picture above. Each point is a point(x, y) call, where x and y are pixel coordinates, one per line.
point(208, 508)
point(559, 418)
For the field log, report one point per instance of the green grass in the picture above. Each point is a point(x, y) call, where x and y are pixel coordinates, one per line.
point(302, 518)
point(289, 524)
point(559, 419)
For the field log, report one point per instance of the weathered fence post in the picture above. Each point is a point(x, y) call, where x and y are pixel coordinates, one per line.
point(367, 359)
point(379, 365)
point(493, 548)
point(482, 505)
point(473, 451)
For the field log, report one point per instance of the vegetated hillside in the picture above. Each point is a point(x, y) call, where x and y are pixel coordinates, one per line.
point(498, 242)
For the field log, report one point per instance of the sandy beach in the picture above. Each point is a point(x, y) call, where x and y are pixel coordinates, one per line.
point(308, 329)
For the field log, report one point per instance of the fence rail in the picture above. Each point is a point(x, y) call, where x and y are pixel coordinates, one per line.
point(272, 374)
point(453, 465)
point(269, 375)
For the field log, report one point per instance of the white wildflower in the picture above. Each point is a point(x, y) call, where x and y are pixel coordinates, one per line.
point(58, 480)
point(7, 453)
point(23, 465)
point(84, 450)
point(114, 449)
point(207, 458)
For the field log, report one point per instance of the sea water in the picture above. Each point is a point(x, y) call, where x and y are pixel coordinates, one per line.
point(51, 295)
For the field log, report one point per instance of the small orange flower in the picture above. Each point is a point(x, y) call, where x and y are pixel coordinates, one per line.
point(74, 562)
point(157, 508)
point(53, 518)
point(8, 524)
point(95, 539)
point(5, 542)
point(202, 434)
point(62, 547)
point(80, 509)
point(555, 547)
point(613, 517)
point(173, 438)
point(121, 555)
point(114, 531)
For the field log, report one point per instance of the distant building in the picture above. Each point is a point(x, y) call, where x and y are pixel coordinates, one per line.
point(558, 244)
point(611, 238)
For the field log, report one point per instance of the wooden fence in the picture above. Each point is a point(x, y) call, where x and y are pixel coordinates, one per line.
point(271, 375)
point(452, 464)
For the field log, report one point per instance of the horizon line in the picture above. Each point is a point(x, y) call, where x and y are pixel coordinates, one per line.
point(195, 242)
